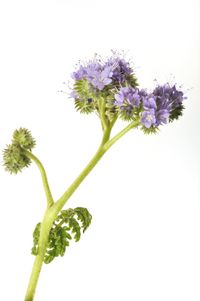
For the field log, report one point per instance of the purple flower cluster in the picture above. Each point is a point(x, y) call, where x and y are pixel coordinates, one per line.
point(100, 74)
point(157, 107)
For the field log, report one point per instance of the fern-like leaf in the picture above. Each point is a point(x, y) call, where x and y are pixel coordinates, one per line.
point(68, 225)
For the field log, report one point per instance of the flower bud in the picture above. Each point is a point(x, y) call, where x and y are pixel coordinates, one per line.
point(24, 138)
point(14, 159)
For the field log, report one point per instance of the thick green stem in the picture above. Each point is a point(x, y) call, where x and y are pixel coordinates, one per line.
point(34, 278)
point(51, 214)
point(53, 210)
point(44, 177)
point(67, 194)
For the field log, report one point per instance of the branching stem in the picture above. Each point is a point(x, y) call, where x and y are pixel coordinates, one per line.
point(54, 208)
point(109, 143)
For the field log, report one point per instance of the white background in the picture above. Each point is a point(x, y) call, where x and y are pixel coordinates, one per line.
point(144, 195)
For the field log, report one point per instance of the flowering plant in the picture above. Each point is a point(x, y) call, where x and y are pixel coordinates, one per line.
point(110, 89)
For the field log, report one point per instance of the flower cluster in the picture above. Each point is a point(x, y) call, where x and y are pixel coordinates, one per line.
point(100, 74)
point(114, 81)
point(97, 79)
point(156, 108)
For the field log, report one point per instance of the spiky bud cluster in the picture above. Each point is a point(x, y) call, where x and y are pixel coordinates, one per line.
point(14, 156)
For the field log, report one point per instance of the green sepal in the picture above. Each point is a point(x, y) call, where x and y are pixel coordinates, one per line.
point(176, 113)
point(151, 130)
point(84, 102)
point(132, 81)
point(83, 106)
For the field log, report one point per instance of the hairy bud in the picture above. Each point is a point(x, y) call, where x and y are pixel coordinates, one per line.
point(24, 138)
point(14, 159)
point(14, 156)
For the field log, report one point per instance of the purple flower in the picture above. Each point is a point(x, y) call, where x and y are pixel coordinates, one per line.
point(149, 102)
point(148, 118)
point(168, 97)
point(120, 69)
point(73, 94)
point(80, 73)
point(127, 96)
point(99, 79)
point(162, 117)
point(98, 75)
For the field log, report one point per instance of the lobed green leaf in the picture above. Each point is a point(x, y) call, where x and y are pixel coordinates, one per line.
point(68, 225)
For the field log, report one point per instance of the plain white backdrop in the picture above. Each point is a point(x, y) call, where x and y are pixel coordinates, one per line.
point(144, 241)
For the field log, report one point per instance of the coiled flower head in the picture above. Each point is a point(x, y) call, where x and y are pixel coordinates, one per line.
point(153, 109)
point(162, 105)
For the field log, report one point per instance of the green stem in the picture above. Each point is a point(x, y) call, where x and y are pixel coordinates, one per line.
point(132, 125)
point(34, 278)
point(37, 266)
point(104, 120)
point(47, 190)
point(53, 210)
point(105, 145)
point(67, 194)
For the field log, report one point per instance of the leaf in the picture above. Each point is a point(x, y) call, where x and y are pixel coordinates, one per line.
point(75, 228)
point(68, 225)
point(84, 216)
point(36, 235)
